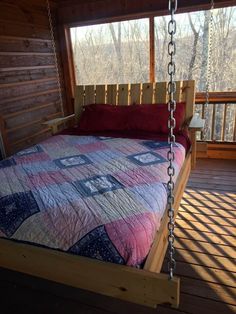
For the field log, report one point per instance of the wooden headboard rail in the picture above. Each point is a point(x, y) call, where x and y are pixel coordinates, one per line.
point(130, 94)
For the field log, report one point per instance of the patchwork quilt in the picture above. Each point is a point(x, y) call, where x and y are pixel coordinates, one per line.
point(99, 197)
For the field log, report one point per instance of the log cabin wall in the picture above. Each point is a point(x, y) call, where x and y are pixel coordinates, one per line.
point(29, 92)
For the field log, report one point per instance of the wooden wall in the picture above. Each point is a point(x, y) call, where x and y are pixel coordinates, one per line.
point(29, 92)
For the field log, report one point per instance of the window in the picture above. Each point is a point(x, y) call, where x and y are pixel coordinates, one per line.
point(111, 53)
point(192, 40)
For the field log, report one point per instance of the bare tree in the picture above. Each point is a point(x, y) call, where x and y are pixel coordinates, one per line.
point(194, 50)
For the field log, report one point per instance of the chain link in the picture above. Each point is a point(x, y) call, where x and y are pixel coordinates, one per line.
point(55, 55)
point(209, 71)
point(171, 89)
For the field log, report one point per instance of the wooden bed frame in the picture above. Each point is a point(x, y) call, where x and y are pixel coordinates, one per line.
point(143, 286)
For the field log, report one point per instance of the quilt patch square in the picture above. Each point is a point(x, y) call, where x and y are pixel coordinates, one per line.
point(72, 161)
point(15, 209)
point(96, 244)
point(30, 150)
point(97, 185)
point(7, 163)
point(156, 144)
point(146, 159)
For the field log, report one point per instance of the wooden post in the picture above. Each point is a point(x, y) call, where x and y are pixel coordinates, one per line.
point(152, 48)
point(68, 66)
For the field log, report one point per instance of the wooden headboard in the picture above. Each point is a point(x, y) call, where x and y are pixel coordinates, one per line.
point(130, 94)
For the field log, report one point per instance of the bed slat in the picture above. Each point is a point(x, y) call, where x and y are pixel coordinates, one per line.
point(89, 95)
point(100, 94)
point(147, 94)
point(112, 94)
point(123, 94)
point(79, 101)
point(135, 94)
point(160, 93)
point(188, 95)
point(178, 92)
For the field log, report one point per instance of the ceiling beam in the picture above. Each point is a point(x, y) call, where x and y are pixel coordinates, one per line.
point(92, 11)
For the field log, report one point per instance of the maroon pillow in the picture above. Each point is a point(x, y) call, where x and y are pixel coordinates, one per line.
point(154, 117)
point(147, 117)
point(104, 117)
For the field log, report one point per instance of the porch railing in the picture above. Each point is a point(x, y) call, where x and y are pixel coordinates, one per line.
point(220, 116)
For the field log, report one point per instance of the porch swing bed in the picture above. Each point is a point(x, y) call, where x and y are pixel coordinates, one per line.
point(88, 208)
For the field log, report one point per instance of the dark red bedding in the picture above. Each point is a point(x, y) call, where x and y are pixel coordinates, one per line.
point(182, 137)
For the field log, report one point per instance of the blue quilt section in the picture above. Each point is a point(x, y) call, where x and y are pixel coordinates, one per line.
point(15, 209)
point(97, 185)
point(7, 163)
point(146, 158)
point(96, 244)
point(156, 144)
point(30, 151)
point(72, 161)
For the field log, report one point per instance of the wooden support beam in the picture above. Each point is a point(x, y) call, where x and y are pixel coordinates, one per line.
point(68, 67)
point(152, 48)
point(74, 12)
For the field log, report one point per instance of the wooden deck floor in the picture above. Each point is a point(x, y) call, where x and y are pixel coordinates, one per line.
point(205, 253)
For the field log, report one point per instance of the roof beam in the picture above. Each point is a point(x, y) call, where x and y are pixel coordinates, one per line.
point(92, 11)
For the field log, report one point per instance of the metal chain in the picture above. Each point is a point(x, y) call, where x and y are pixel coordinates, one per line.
point(55, 56)
point(209, 71)
point(171, 136)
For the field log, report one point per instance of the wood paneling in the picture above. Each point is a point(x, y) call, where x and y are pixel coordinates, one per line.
point(29, 93)
point(74, 11)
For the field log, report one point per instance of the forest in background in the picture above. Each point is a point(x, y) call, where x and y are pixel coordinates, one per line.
point(119, 53)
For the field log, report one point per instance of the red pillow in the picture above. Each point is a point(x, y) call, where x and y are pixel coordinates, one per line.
point(104, 117)
point(154, 117)
point(147, 117)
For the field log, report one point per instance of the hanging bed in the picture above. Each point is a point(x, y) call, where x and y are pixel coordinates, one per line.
point(98, 194)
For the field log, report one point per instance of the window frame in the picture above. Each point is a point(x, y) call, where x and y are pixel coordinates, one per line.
point(67, 57)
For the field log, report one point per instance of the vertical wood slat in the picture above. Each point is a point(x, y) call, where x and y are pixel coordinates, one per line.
point(213, 123)
point(147, 93)
point(100, 94)
point(79, 101)
point(123, 94)
point(89, 95)
point(178, 94)
point(160, 96)
point(203, 117)
point(112, 94)
point(135, 94)
point(234, 137)
point(188, 96)
point(224, 121)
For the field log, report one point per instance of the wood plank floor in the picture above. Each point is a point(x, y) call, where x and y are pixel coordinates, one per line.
point(205, 253)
